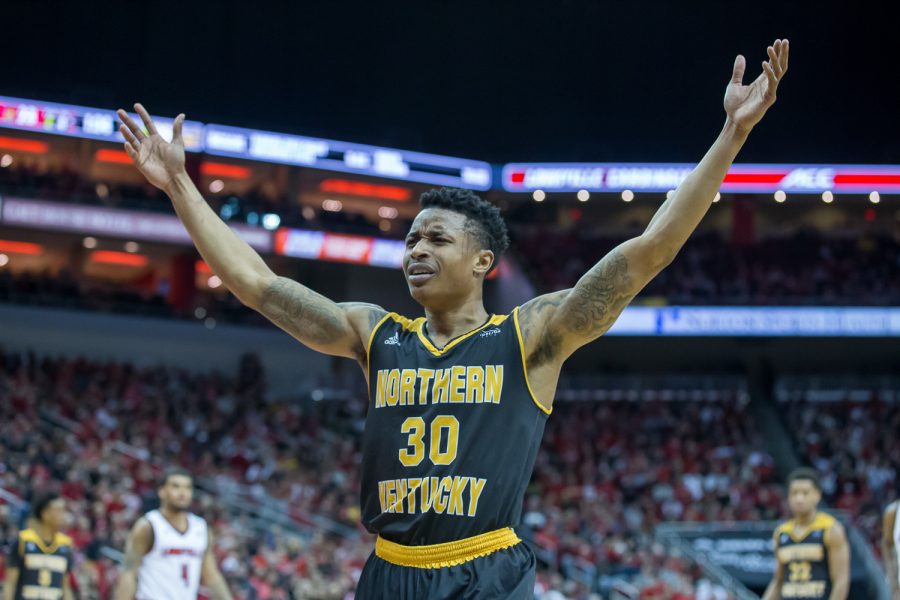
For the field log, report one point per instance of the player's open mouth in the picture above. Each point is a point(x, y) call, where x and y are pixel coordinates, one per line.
point(419, 273)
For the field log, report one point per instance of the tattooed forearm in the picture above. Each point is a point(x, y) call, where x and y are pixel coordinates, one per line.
point(302, 312)
point(599, 297)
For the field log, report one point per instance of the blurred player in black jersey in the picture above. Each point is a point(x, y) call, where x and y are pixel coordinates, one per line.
point(811, 549)
point(459, 396)
point(41, 558)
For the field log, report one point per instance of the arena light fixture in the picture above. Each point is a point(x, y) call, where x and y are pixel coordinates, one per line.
point(228, 171)
point(780, 196)
point(367, 190)
point(874, 197)
point(718, 197)
point(216, 186)
point(583, 195)
point(627, 195)
point(4, 260)
point(332, 205)
point(827, 197)
point(28, 248)
point(6, 160)
point(89, 242)
point(118, 157)
point(123, 259)
point(539, 195)
point(23, 145)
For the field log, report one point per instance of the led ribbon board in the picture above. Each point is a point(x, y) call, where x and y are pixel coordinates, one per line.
point(661, 177)
point(117, 222)
point(331, 155)
point(335, 247)
point(83, 122)
point(721, 321)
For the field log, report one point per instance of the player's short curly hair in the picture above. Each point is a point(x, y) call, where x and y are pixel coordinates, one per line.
point(41, 502)
point(805, 474)
point(483, 219)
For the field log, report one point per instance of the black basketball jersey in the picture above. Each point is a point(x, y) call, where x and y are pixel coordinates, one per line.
point(805, 559)
point(42, 567)
point(451, 433)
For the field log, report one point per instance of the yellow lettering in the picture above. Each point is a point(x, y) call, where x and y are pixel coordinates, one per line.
point(425, 376)
point(393, 383)
point(438, 424)
point(390, 496)
point(493, 383)
point(401, 494)
point(443, 492)
point(457, 384)
point(476, 486)
point(380, 388)
point(441, 386)
point(407, 387)
point(456, 502)
point(415, 427)
point(429, 488)
point(381, 497)
point(414, 483)
point(474, 385)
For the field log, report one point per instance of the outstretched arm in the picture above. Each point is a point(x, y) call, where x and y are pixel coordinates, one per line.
point(323, 325)
point(557, 324)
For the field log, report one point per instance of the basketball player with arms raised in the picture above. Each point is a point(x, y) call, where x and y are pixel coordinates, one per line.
point(169, 551)
point(459, 397)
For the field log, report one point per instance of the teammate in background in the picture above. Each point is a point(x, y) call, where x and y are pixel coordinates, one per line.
point(458, 397)
point(169, 551)
point(40, 560)
point(890, 548)
point(811, 550)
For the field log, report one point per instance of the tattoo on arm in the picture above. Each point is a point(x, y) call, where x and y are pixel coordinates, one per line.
point(533, 319)
point(301, 312)
point(599, 297)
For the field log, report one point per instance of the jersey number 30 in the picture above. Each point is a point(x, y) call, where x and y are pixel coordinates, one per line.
point(414, 453)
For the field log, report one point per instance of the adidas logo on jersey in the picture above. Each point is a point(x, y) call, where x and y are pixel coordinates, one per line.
point(489, 332)
point(394, 340)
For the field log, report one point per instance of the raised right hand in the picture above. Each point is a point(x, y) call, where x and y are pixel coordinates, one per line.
point(160, 161)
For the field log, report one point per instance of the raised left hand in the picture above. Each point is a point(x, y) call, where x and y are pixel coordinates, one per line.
point(745, 105)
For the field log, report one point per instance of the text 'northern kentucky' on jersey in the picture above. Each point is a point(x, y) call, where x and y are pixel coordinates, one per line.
point(451, 433)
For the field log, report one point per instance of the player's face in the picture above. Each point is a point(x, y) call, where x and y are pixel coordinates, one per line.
point(54, 516)
point(442, 258)
point(803, 497)
point(177, 493)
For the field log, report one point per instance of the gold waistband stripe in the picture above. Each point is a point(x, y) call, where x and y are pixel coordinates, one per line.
point(435, 556)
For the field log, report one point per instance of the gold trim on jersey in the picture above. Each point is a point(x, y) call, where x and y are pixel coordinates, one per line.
point(30, 535)
point(419, 324)
point(372, 337)
point(448, 554)
point(524, 366)
point(822, 521)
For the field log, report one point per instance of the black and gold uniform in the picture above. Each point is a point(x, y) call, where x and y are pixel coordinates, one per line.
point(804, 559)
point(450, 443)
point(42, 566)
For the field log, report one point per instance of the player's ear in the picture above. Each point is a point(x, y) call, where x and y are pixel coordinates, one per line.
point(483, 261)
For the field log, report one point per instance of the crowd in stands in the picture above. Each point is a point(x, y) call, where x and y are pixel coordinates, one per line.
point(806, 268)
point(846, 427)
point(100, 432)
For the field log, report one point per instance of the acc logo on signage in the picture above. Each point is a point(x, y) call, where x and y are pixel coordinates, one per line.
point(809, 179)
